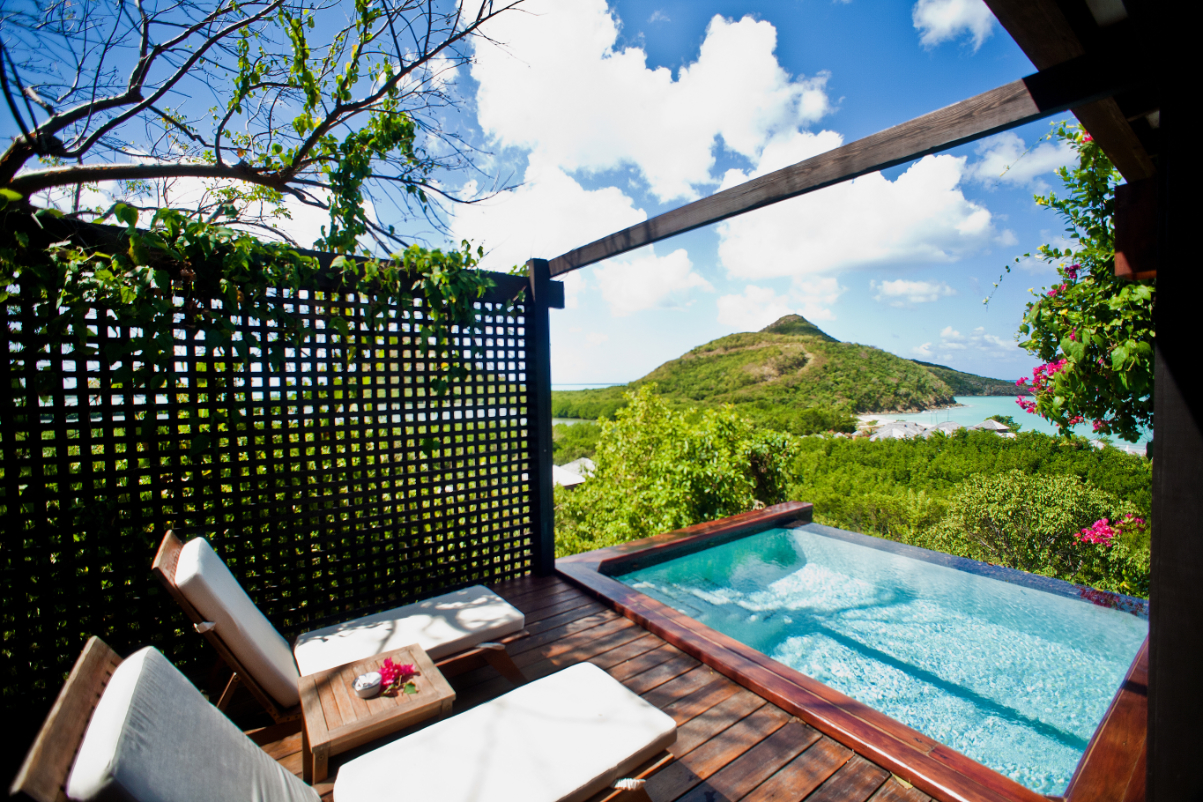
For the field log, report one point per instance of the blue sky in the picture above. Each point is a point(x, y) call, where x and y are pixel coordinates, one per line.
point(602, 115)
point(608, 114)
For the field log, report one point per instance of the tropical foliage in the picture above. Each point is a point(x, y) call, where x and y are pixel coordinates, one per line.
point(1046, 525)
point(659, 469)
point(573, 441)
point(184, 272)
point(1093, 331)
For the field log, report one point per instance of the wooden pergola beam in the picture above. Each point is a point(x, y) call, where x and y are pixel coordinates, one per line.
point(1069, 84)
point(1051, 33)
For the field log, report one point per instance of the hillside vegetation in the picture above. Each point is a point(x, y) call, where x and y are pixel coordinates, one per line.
point(793, 377)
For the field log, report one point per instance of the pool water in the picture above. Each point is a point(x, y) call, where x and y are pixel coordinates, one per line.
point(1012, 676)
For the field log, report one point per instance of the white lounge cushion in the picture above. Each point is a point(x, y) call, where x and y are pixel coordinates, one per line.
point(564, 737)
point(209, 586)
point(443, 625)
point(154, 738)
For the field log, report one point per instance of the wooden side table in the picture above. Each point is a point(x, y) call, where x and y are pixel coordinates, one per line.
point(336, 719)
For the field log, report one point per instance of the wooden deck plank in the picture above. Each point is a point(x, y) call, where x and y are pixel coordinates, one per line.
point(654, 677)
point(634, 657)
point(802, 775)
point(854, 782)
point(714, 692)
point(715, 720)
point(563, 617)
point(756, 765)
point(701, 763)
point(663, 695)
point(557, 633)
point(894, 791)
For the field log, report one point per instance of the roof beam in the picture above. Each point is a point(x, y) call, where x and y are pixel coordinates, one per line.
point(1066, 85)
point(1051, 32)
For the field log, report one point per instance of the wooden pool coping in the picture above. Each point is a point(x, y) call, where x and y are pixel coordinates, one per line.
point(1116, 749)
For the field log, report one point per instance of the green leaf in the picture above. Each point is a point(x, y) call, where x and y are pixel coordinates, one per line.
point(409, 688)
point(126, 214)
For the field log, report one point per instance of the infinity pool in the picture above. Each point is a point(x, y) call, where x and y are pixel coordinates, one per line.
point(1011, 675)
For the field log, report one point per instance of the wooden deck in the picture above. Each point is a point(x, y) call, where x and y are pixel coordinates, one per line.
point(731, 744)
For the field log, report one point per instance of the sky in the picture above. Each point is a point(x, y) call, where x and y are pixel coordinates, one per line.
point(602, 115)
point(607, 114)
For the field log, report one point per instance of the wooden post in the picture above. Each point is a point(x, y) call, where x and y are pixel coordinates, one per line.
point(538, 383)
point(1175, 603)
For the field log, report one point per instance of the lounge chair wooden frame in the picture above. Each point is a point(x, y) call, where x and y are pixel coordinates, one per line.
point(43, 775)
point(164, 567)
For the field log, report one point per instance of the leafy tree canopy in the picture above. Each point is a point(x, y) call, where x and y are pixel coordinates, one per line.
point(334, 104)
point(659, 469)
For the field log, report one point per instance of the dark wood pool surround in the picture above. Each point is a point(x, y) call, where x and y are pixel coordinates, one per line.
point(1113, 758)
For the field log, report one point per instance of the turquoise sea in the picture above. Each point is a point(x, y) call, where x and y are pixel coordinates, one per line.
point(975, 409)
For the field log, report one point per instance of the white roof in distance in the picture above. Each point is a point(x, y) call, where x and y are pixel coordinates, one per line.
point(565, 478)
point(581, 467)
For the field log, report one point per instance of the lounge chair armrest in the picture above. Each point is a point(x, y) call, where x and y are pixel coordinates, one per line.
point(204, 626)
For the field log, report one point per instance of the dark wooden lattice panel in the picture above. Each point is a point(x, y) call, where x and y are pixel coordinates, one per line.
point(340, 484)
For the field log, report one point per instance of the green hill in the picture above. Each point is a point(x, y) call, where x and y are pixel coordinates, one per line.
point(792, 376)
point(969, 384)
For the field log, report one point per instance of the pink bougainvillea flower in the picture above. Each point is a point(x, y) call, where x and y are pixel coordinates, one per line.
point(1072, 271)
point(393, 675)
point(1087, 138)
point(1100, 534)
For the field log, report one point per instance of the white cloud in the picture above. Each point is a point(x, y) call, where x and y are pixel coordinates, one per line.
point(596, 337)
point(547, 215)
point(560, 88)
point(817, 296)
point(902, 292)
point(649, 281)
point(979, 340)
point(758, 306)
point(658, 16)
point(755, 309)
point(923, 351)
point(1006, 159)
point(942, 20)
point(922, 217)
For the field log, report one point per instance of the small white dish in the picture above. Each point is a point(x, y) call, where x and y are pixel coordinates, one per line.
point(367, 685)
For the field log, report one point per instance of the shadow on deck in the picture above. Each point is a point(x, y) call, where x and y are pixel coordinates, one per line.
point(731, 744)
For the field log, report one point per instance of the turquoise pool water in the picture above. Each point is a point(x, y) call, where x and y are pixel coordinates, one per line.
point(1013, 676)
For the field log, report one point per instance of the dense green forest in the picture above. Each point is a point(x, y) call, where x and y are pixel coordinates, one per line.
point(790, 377)
point(949, 493)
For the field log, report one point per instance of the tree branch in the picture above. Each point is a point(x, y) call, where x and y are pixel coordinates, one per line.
point(37, 180)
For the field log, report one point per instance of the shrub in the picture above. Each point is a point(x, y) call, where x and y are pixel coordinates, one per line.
point(573, 441)
point(1036, 524)
point(658, 469)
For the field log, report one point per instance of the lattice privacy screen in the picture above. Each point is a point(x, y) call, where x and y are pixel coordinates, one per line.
point(338, 485)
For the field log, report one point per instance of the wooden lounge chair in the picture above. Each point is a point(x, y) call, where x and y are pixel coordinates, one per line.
point(460, 631)
point(139, 730)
